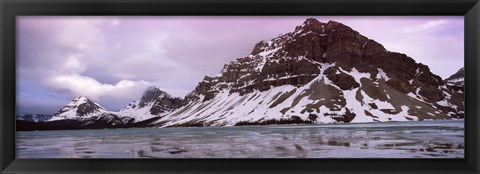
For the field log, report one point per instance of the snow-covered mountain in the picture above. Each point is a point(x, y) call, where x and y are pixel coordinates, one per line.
point(319, 73)
point(78, 109)
point(82, 112)
point(153, 103)
point(456, 82)
point(458, 78)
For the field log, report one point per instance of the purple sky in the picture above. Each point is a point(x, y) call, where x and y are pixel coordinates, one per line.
point(113, 59)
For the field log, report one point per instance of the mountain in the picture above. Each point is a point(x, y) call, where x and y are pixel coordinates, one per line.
point(81, 113)
point(456, 82)
point(78, 109)
point(458, 78)
point(319, 73)
point(153, 103)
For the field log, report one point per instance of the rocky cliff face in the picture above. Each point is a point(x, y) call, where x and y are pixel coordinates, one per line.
point(458, 78)
point(153, 103)
point(323, 73)
point(456, 83)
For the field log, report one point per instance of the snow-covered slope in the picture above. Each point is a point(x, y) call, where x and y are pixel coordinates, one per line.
point(78, 109)
point(319, 73)
point(153, 103)
point(458, 78)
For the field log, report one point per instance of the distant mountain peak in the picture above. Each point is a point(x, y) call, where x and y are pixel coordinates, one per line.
point(154, 88)
point(153, 102)
point(80, 99)
point(313, 22)
point(457, 78)
point(79, 108)
point(151, 94)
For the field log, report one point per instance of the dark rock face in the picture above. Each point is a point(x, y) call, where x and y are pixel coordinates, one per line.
point(158, 101)
point(162, 102)
point(342, 80)
point(165, 104)
point(456, 86)
point(457, 78)
point(88, 108)
point(150, 95)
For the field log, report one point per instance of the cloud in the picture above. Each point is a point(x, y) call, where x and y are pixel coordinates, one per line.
point(429, 25)
point(124, 90)
point(81, 36)
point(82, 85)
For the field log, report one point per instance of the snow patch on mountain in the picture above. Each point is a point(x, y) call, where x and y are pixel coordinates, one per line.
point(78, 109)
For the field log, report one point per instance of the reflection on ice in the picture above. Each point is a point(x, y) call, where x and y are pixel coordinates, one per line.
point(428, 139)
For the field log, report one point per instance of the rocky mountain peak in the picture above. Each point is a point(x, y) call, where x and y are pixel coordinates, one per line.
point(458, 78)
point(153, 102)
point(78, 108)
point(79, 100)
point(151, 94)
point(311, 24)
point(460, 74)
point(82, 101)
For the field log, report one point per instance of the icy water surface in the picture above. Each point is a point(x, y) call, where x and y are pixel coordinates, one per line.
point(426, 139)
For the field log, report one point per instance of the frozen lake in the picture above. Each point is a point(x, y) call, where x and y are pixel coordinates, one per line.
point(425, 139)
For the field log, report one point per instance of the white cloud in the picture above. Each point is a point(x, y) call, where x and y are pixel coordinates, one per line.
point(144, 65)
point(430, 25)
point(80, 35)
point(87, 86)
point(74, 64)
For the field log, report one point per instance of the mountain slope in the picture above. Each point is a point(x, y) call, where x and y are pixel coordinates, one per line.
point(458, 78)
point(321, 73)
point(153, 103)
point(78, 109)
point(456, 82)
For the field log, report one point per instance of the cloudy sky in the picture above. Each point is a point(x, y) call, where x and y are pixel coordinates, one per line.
point(112, 60)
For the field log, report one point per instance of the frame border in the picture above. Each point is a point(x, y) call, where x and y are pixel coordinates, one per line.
point(470, 9)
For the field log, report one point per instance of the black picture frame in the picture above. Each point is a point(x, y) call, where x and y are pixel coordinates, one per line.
point(470, 9)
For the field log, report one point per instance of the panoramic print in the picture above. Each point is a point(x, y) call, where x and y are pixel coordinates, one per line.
point(240, 87)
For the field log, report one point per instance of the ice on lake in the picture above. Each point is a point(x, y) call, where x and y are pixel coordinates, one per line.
point(423, 139)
